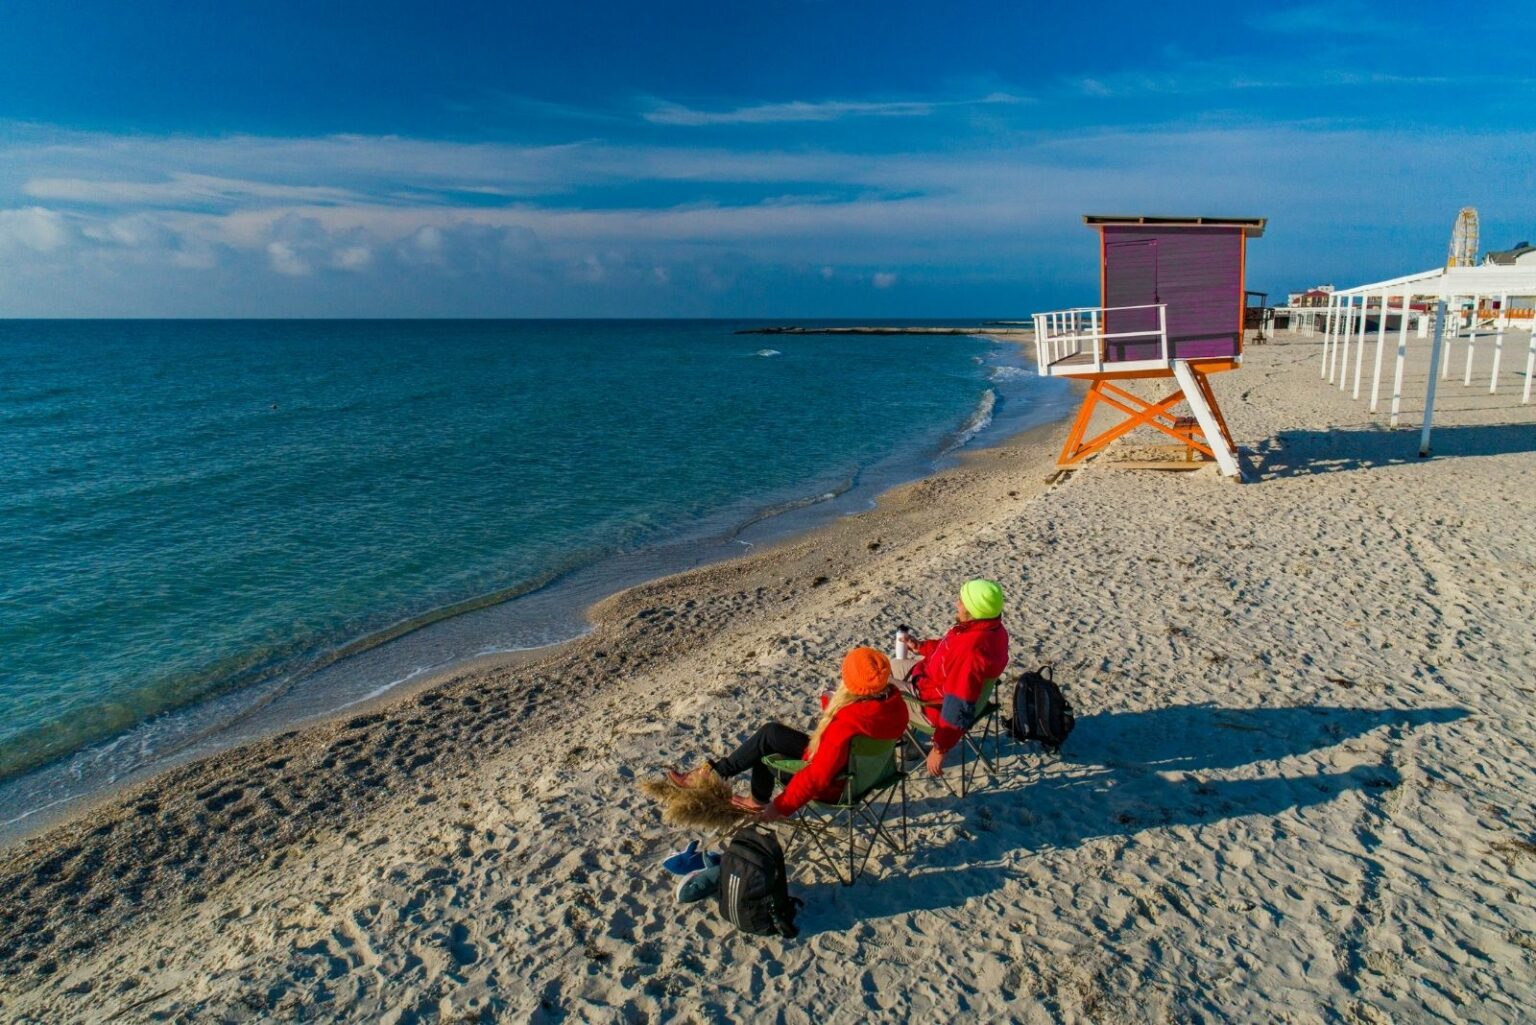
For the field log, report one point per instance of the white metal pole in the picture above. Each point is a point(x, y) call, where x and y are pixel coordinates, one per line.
point(1381, 341)
point(1327, 339)
point(1471, 344)
point(1365, 302)
point(1349, 329)
point(1530, 363)
point(1429, 395)
point(1498, 346)
point(1445, 354)
point(1402, 358)
point(1423, 327)
point(1333, 337)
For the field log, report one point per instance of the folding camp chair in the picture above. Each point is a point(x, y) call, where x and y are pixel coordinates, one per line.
point(984, 729)
point(870, 786)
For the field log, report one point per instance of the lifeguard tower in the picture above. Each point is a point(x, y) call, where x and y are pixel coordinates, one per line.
point(1172, 304)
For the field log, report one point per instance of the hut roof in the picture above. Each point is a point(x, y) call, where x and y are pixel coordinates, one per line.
point(1253, 227)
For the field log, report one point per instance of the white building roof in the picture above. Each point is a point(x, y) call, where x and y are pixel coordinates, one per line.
point(1487, 281)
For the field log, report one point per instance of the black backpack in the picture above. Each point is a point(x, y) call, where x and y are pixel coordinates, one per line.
point(754, 895)
point(1040, 711)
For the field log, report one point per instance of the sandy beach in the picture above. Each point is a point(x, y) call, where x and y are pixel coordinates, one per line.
point(1299, 789)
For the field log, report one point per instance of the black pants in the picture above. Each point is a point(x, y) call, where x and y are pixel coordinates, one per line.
point(772, 739)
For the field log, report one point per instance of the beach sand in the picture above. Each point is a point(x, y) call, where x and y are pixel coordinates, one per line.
point(1299, 789)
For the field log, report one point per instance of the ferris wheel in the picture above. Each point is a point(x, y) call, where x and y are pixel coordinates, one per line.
point(1463, 251)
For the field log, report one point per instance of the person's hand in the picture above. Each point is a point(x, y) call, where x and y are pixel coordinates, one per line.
point(935, 762)
point(770, 813)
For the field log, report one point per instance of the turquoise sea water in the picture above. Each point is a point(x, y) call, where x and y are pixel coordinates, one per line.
point(188, 508)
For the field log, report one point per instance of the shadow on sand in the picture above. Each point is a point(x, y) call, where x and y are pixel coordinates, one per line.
point(1302, 453)
point(1109, 784)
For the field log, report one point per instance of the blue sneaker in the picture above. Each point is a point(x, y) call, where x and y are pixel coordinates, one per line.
point(681, 863)
point(699, 885)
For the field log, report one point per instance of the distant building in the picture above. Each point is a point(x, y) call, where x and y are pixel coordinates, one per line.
point(1317, 295)
point(1522, 255)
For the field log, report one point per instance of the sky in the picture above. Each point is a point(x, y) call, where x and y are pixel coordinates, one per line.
point(796, 159)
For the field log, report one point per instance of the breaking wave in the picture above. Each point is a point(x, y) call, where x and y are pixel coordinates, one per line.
point(980, 417)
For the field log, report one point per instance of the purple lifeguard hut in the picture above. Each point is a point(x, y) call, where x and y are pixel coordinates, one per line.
point(1172, 305)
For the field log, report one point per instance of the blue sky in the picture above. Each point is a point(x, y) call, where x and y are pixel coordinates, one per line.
point(793, 159)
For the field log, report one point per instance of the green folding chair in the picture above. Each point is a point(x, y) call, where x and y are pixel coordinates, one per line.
point(871, 783)
point(984, 729)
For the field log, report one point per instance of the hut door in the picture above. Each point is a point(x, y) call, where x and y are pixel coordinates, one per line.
point(1131, 278)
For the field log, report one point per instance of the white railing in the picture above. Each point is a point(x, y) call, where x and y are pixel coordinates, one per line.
point(1066, 333)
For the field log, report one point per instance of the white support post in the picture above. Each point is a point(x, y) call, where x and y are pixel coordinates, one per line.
point(1530, 363)
point(1381, 341)
point(1365, 302)
point(1327, 340)
point(1099, 344)
point(1349, 329)
point(1402, 358)
point(1423, 328)
point(1333, 337)
point(1162, 329)
point(1226, 459)
point(1445, 353)
point(1471, 345)
point(1498, 346)
point(1429, 394)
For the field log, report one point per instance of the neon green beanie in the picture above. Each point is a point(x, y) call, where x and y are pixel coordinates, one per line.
point(983, 599)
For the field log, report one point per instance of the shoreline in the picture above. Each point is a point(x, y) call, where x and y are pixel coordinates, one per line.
point(1293, 790)
point(202, 811)
point(281, 703)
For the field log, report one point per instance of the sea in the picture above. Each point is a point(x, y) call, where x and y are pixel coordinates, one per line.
point(212, 530)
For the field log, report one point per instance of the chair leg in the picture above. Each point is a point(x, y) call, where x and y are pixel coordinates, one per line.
point(851, 877)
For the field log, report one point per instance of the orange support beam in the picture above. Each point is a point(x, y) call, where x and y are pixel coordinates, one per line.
point(1138, 412)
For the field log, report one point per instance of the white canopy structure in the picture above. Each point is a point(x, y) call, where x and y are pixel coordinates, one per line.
point(1451, 289)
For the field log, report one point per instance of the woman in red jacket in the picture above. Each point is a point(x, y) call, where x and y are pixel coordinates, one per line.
point(864, 705)
point(949, 678)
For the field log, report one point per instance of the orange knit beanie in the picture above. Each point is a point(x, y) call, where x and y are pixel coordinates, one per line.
point(866, 672)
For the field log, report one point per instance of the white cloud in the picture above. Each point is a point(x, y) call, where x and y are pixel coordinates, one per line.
point(286, 260)
point(179, 189)
point(353, 258)
point(664, 113)
point(33, 228)
point(417, 228)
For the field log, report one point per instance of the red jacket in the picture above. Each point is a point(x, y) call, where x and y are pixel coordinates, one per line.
point(952, 671)
point(884, 718)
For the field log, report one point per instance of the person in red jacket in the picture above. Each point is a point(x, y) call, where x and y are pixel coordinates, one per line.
point(864, 705)
point(948, 679)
